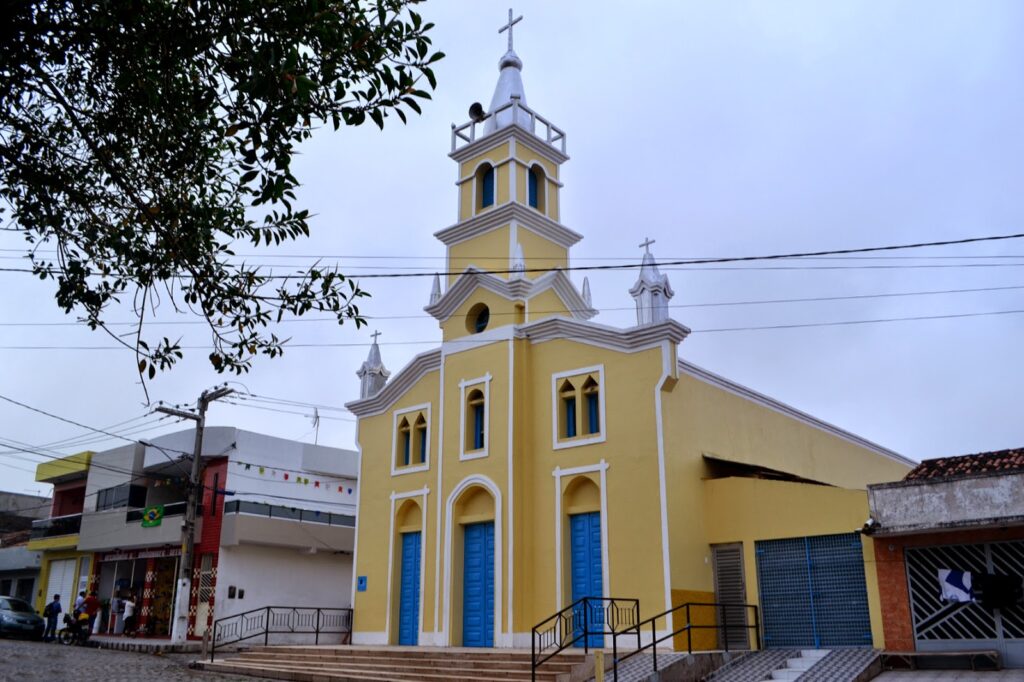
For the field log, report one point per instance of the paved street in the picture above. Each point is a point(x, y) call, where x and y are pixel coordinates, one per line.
point(37, 662)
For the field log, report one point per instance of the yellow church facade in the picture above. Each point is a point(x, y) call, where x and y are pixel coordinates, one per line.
point(537, 456)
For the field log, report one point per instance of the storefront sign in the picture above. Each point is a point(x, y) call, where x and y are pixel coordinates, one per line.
point(142, 554)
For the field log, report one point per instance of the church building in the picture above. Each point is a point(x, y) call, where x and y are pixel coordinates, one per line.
point(537, 456)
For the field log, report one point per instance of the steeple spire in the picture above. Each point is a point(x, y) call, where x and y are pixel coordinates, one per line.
point(509, 87)
point(652, 290)
point(435, 289)
point(372, 374)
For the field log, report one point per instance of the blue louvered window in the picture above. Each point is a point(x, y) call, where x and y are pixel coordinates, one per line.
point(478, 427)
point(487, 187)
point(406, 443)
point(593, 413)
point(531, 184)
point(570, 416)
point(421, 432)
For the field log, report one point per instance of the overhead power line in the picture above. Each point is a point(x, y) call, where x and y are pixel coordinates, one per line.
point(669, 263)
point(471, 340)
point(496, 313)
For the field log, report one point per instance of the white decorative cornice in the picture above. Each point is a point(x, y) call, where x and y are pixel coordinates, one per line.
point(512, 289)
point(629, 340)
point(402, 382)
point(492, 219)
point(772, 404)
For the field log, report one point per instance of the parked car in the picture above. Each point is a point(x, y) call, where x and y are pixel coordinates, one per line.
point(18, 618)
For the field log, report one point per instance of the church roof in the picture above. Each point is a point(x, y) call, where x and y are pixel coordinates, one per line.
point(508, 89)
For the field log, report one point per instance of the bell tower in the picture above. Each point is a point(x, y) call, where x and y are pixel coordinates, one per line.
point(509, 161)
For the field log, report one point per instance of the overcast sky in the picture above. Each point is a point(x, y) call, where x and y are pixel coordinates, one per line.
point(715, 128)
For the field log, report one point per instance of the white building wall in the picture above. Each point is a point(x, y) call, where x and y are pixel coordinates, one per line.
point(274, 576)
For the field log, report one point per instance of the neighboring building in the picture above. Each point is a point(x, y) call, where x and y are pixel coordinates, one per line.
point(962, 514)
point(536, 456)
point(19, 566)
point(64, 569)
point(276, 527)
point(18, 511)
point(263, 538)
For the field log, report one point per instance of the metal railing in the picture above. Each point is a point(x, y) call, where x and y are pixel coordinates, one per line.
point(281, 620)
point(56, 526)
point(171, 509)
point(519, 114)
point(276, 511)
point(720, 611)
point(585, 618)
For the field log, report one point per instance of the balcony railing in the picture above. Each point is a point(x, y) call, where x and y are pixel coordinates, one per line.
point(291, 513)
point(520, 115)
point(173, 509)
point(56, 526)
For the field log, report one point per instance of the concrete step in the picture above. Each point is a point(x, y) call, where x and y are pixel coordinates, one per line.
point(815, 653)
point(397, 669)
point(351, 675)
point(786, 674)
point(433, 662)
point(801, 662)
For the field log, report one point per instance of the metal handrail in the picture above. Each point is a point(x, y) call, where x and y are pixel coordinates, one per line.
point(310, 620)
point(611, 612)
point(722, 608)
point(553, 135)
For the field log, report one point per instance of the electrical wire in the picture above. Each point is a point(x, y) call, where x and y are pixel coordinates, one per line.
point(709, 304)
point(667, 263)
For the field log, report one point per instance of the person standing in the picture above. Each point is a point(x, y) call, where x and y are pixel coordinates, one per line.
point(51, 612)
point(79, 600)
point(129, 616)
point(91, 606)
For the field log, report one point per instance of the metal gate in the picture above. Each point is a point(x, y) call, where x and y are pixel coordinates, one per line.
point(813, 592)
point(945, 626)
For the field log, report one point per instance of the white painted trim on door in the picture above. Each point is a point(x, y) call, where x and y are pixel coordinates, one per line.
point(558, 475)
point(491, 487)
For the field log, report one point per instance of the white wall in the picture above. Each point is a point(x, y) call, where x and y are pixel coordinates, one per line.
point(282, 577)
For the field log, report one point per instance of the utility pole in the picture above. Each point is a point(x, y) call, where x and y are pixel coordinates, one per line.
point(179, 624)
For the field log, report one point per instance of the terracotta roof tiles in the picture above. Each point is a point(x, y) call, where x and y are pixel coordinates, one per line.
point(969, 465)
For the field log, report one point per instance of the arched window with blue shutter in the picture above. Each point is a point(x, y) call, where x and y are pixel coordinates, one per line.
point(535, 187)
point(476, 422)
point(485, 185)
point(592, 402)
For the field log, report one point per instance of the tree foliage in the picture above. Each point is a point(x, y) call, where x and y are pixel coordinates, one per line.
point(144, 139)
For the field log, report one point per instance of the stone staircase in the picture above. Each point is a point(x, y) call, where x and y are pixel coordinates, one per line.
point(421, 664)
point(805, 665)
point(798, 665)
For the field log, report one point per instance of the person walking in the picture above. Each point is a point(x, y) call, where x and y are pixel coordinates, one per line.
point(51, 612)
point(91, 606)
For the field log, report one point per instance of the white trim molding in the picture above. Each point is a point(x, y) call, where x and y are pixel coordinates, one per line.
point(418, 367)
point(601, 436)
point(485, 381)
point(395, 497)
point(558, 474)
point(501, 215)
point(500, 638)
point(410, 468)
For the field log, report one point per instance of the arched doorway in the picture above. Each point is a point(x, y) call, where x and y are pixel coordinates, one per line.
point(407, 574)
point(584, 549)
point(474, 535)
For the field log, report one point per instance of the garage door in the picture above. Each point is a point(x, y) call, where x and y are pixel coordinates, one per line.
point(813, 592)
point(62, 580)
point(944, 626)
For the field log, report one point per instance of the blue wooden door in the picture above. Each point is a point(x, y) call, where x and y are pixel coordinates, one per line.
point(585, 543)
point(478, 585)
point(409, 599)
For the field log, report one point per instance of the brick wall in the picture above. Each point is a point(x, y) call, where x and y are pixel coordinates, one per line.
point(892, 575)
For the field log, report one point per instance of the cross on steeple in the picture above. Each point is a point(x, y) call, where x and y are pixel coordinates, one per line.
point(375, 335)
point(508, 27)
point(646, 245)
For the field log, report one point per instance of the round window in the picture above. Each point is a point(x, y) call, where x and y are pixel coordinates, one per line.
point(478, 318)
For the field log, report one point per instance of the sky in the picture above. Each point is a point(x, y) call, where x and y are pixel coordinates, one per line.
point(714, 128)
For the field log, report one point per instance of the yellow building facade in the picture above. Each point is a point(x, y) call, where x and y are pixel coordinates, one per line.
point(537, 456)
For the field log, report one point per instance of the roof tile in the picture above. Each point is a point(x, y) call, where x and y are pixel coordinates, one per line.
point(969, 465)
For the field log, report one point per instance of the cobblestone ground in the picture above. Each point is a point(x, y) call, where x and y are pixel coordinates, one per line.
point(22, 661)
